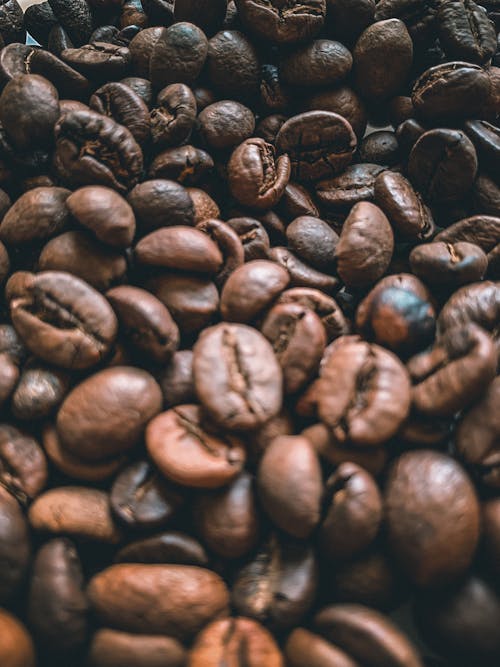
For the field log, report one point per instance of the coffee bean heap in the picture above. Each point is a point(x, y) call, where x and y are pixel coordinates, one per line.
point(248, 352)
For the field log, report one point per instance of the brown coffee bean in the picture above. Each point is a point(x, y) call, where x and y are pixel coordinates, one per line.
point(478, 303)
point(178, 55)
point(283, 24)
point(61, 319)
point(119, 102)
point(432, 517)
point(145, 322)
point(313, 241)
point(159, 202)
point(228, 519)
point(168, 547)
point(176, 380)
point(16, 645)
point(324, 306)
point(365, 246)
point(304, 647)
point(15, 547)
point(354, 512)
point(237, 377)
point(365, 393)
point(447, 378)
point(186, 164)
point(204, 206)
point(226, 124)
point(189, 454)
point(57, 604)
point(23, 467)
point(228, 241)
point(112, 648)
point(301, 274)
point(356, 184)
point(107, 413)
point(179, 248)
point(290, 462)
point(172, 600)
point(235, 642)
point(105, 213)
point(452, 264)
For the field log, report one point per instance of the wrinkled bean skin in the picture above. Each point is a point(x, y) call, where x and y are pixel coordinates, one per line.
point(283, 24)
point(429, 551)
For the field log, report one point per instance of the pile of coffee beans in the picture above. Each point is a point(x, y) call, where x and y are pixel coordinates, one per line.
point(249, 349)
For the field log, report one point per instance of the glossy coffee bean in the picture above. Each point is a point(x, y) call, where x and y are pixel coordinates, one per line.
point(465, 32)
point(449, 264)
point(296, 22)
point(313, 241)
point(120, 102)
point(355, 185)
point(167, 547)
point(157, 202)
point(178, 55)
point(23, 466)
point(15, 545)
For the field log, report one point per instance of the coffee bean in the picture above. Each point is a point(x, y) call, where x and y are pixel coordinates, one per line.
point(158, 201)
point(23, 467)
point(293, 22)
point(168, 547)
point(465, 31)
point(185, 164)
point(356, 184)
point(323, 62)
point(176, 379)
point(449, 264)
point(303, 646)
point(16, 645)
point(419, 17)
point(111, 648)
point(178, 55)
point(173, 117)
point(99, 60)
point(121, 103)
point(15, 545)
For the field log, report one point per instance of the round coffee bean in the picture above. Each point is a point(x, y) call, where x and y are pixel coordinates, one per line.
point(449, 264)
point(178, 55)
point(226, 124)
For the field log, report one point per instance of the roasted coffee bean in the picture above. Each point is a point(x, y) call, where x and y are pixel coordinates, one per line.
point(353, 512)
point(235, 641)
point(229, 244)
point(380, 148)
point(188, 453)
point(323, 305)
point(432, 517)
point(168, 547)
point(356, 184)
point(140, 498)
point(398, 313)
point(185, 164)
point(39, 19)
point(92, 149)
point(172, 600)
point(465, 31)
point(233, 65)
point(158, 203)
point(141, 47)
point(419, 17)
point(442, 263)
point(486, 195)
point(443, 165)
point(99, 60)
point(478, 303)
point(297, 201)
point(323, 62)
point(299, 339)
point(173, 117)
point(319, 143)
point(61, 319)
point(140, 86)
point(301, 274)
point(23, 467)
point(75, 17)
point(80, 254)
point(343, 101)
point(228, 519)
point(304, 647)
point(226, 124)
point(447, 378)
point(253, 237)
point(107, 413)
point(39, 392)
point(313, 241)
point(365, 393)
point(486, 139)
point(112, 648)
point(16, 645)
point(123, 105)
point(367, 636)
point(57, 604)
point(15, 547)
point(382, 42)
point(365, 247)
point(277, 587)
point(288, 23)
point(178, 55)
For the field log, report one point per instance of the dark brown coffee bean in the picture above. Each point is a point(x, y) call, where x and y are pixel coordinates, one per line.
point(296, 21)
point(185, 164)
point(179, 248)
point(173, 117)
point(176, 379)
point(99, 60)
point(75, 17)
point(365, 246)
point(486, 139)
point(228, 519)
point(398, 313)
point(37, 215)
point(228, 241)
point(290, 462)
point(301, 274)
point(353, 512)
point(112, 648)
point(296, 202)
point(253, 237)
point(304, 647)
point(141, 46)
point(233, 65)
point(178, 55)
point(451, 90)
point(168, 547)
point(92, 149)
point(145, 322)
point(237, 376)
point(236, 642)
point(15, 548)
point(61, 319)
point(140, 498)
point(188, 453)
point(174, 600)
point(478, 303)
point(23, 467)
point(367, 636)
point(323, 62)
point(319, 143)
point(16, 645)
point(344, 101)
point(277, 587)
point(140, 86)
point(256, 177)
point(380, 147)
point(447, 378)
point(383, 42)
point(107, 413)
point(105, 213)
point(313, 241)
point(226, 124)
point(298, 338)
point(443, 165)
point(419, 17)
point(40, 391)
point(159, 203)
point(353, 369)
point(355, 185)
point(478, 434)
point(77, 511)
point(481, 230)
point(82, 255)
point(465, 31)
point(250, 289)
point(123, 105)
point(432, 517)
point(57, 605)
point(442, 263)
point(324, 306)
